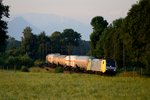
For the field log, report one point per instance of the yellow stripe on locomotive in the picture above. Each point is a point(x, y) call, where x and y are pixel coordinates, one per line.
point(103, 66)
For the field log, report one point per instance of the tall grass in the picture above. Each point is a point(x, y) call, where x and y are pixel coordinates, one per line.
point(59, 86)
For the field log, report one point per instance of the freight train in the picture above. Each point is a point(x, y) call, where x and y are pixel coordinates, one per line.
point(84, 63)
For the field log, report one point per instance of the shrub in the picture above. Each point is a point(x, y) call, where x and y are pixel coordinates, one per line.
point(13, 62)
point(128, 74)
point(59, 70)
point(24, 69)
point(37, 69)
point(26, 61)
point(37, 63)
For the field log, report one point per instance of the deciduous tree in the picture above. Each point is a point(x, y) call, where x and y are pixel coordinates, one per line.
point(29, 42)
point(99, 24)
point(70, 38)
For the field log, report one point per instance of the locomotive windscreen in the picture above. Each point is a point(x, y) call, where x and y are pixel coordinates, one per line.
point(110, 63)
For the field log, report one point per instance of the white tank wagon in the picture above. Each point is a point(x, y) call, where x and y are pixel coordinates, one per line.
point(82, 61)
point(60, 59)
point(50, 58)
point(77, 61)
point(70, 61)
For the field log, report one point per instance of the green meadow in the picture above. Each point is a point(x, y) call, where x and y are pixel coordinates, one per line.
point(65, 86)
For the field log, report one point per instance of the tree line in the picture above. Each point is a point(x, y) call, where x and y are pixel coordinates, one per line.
point(32, 49)
point(125, 40)
point(37, 46)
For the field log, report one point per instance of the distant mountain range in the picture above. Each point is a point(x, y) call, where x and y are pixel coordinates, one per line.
point(46, 22)
point(16, 26)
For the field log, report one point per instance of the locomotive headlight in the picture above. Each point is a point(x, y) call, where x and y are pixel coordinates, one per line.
point(114, 68)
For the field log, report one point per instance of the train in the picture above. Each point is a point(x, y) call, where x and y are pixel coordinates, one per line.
point(84, 63)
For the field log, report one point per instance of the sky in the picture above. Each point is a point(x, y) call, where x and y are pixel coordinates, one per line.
point(81, 10)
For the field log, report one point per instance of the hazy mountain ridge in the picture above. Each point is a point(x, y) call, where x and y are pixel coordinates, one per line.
point(46, 22)
point(16, 26)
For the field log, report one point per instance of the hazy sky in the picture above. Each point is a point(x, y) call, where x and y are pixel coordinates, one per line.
point(82, 10)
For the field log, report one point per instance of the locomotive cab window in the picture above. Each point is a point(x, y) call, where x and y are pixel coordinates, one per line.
point(110, 63)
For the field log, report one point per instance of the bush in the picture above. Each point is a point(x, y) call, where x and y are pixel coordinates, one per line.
point(26, 61)
point(37, 69)
point(59, 70)
point(24, 69)
point(13, 62)
point(128, 74)
point(19, 61)
point(37, 63)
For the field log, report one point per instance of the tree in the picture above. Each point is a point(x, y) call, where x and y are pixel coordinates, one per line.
point(137, 25)
point(112, 42)
point(4, 12)
point(43, 42)
point(25, 60)
point(12, 43)
point(127, 40)
point(99, 24)
point(13, 62)
point(56, 46)
point(29, 42)
point(2, 62)
point(69, 39)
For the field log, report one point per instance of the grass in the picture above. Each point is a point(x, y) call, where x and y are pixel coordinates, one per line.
point(60, 86)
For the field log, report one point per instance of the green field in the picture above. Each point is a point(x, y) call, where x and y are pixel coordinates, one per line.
point(59, 86)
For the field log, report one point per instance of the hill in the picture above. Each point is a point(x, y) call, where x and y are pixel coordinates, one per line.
point(16, 26)
point(48, 23)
